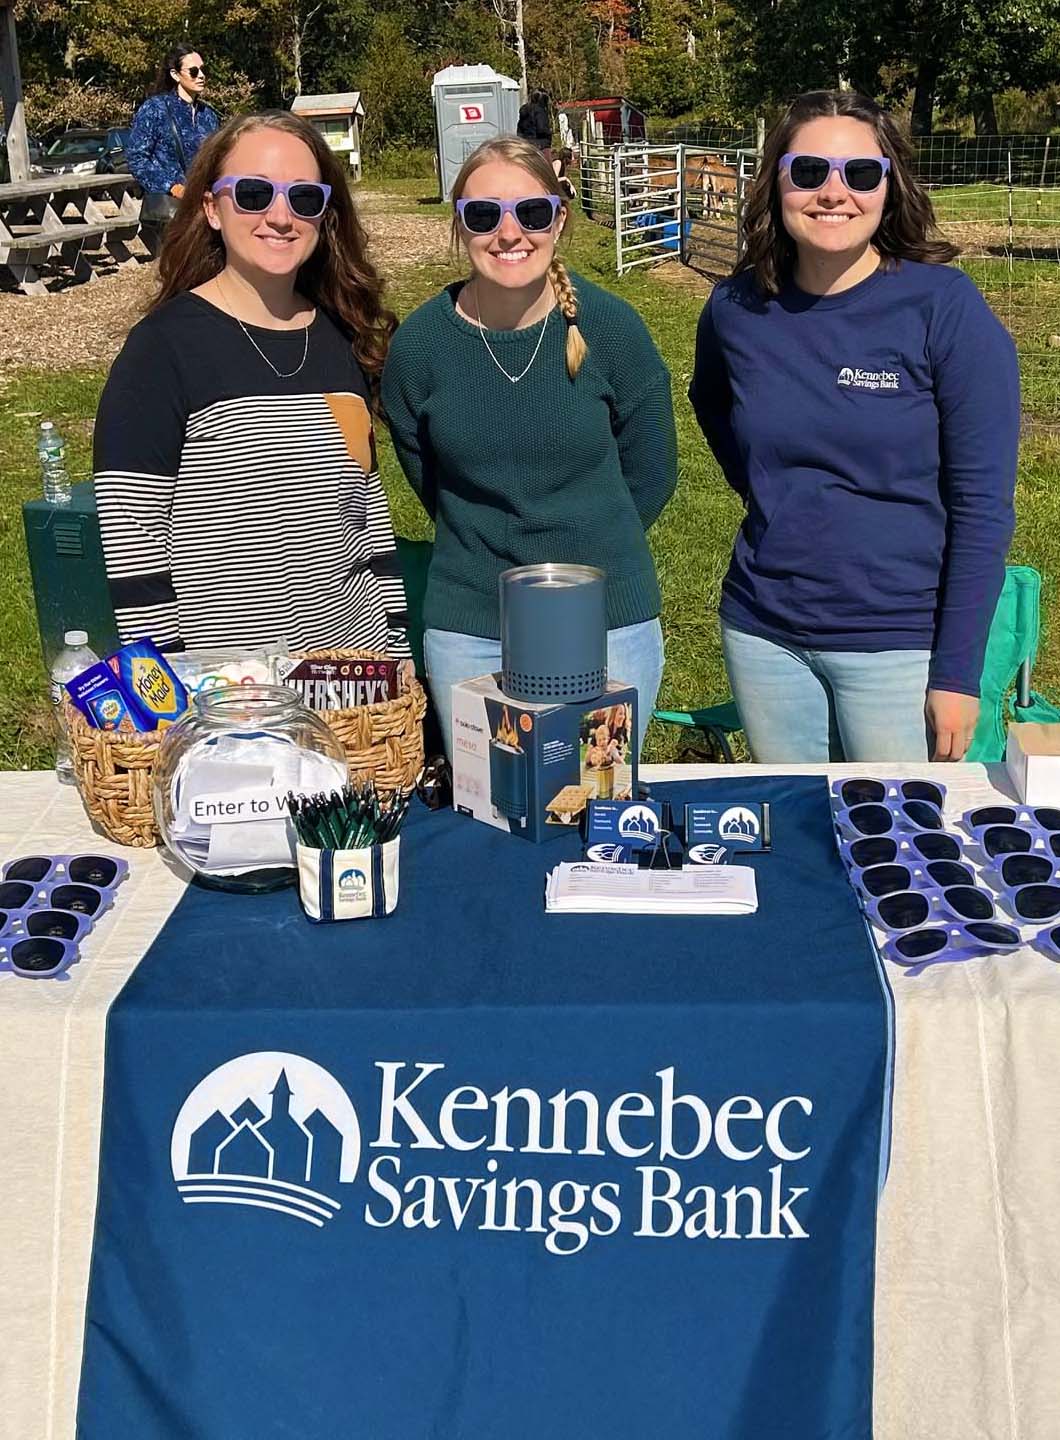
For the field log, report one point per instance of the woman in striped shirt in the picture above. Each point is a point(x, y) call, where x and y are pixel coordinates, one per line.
point(235, 471)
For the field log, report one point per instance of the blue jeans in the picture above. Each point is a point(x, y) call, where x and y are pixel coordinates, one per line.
point(809, 706)
point(634, 656)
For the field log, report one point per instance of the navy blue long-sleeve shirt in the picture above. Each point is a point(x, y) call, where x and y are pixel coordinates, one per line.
point(872, 436)
point(152, 152)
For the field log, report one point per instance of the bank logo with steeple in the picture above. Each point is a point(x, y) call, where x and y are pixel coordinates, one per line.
point(271, 1131)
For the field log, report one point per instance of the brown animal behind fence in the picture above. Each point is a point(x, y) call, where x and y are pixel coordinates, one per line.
point(712, 183)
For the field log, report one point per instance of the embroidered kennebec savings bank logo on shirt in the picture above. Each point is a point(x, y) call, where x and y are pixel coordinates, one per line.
point(858, 379)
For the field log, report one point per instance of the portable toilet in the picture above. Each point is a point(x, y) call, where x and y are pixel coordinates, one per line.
point(472, 103)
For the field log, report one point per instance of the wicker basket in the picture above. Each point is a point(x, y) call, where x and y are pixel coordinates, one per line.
point(114, 770)
point(383, 742)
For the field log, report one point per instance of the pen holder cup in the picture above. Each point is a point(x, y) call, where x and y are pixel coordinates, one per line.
point(349, 884)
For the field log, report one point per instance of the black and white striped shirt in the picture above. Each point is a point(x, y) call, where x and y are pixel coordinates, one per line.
point(238, 507)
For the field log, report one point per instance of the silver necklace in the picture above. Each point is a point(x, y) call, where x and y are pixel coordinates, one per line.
point(280, 374)
point(482, 331)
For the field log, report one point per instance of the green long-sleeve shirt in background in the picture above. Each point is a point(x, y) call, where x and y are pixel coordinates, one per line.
point(549, 469)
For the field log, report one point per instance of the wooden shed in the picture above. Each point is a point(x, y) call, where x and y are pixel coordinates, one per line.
point(338, 118)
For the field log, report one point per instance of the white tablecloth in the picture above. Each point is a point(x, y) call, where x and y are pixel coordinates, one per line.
point(968, 1274)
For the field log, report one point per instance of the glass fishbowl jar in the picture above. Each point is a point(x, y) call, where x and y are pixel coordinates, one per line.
point(223, 776)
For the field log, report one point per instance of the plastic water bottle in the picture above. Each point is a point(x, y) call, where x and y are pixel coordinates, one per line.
point(75, 656)
point(52, 455)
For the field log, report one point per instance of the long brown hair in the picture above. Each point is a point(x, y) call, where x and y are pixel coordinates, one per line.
point(338, 276)
point(514, 151)
point(907, 231)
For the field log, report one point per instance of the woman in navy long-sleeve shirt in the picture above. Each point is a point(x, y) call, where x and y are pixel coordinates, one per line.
point(171, 124)
point(863, 401)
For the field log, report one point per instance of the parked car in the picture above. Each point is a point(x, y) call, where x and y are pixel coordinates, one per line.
point(75, 152)
point(36, 156)
point(113, 161)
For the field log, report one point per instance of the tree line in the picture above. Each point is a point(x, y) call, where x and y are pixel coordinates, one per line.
point(91, 61)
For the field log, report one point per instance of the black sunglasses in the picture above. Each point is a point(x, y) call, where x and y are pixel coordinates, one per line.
point(1024, 869)
point(195, 71)
point(888, 879)
point(1047, 816)
point(909, 909)
point(253, 194)
point(532, 213)
point(871, 819)
point(919, 944)
point(885, 849)
point(867, 791)
point(98, 870)
point(1006, 840)
point(812, 172)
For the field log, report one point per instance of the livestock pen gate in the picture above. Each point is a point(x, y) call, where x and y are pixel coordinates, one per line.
point(669, 202)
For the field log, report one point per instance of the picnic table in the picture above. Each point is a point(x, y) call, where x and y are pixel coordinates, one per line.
point(35, 226)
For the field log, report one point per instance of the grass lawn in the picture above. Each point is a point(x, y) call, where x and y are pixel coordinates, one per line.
point(990, 203)
point(691, 542)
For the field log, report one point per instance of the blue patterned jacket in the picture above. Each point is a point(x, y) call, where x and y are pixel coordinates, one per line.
point(152, 153)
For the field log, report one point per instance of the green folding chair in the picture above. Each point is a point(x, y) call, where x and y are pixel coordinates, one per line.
point(414, 557)
point(1005, 693)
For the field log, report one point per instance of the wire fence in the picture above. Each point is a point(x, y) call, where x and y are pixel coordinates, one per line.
point(996, 197)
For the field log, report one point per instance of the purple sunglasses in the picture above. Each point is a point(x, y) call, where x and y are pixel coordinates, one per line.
point(253, 194)
point(896, 817)
point(43, 957)
point(902, 849)
point(41, 920)
point(889, 879)
point(103, 871)
point(937, 944)
point(1028, 884)
point(533, 213)
point(862, 175)
point(912, 909)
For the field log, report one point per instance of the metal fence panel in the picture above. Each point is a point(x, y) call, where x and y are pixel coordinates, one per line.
point(649, 205)
point(715, 184)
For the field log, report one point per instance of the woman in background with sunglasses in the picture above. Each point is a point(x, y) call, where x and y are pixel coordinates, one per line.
point(166, 134)
point(531, 413)
point(235, 471)
point(863, 402)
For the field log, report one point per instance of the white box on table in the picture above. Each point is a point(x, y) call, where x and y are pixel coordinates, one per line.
point(529, 768)
point(1032, 756)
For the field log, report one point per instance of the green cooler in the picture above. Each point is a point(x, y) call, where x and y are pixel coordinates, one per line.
point(69, 578)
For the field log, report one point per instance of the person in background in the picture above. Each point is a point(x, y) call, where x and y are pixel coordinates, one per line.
point(531, 413)
point(863, 401)
point(166, 134)
point(535, 124)
point(235, 471)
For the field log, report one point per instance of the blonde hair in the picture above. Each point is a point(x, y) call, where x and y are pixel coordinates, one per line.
point(514, 151)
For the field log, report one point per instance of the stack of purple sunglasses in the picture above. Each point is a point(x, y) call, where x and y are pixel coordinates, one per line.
point(911, 875)
point(48, 903)
point(1021, 845)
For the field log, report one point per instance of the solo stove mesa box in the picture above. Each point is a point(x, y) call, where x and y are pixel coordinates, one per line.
point(530, 767)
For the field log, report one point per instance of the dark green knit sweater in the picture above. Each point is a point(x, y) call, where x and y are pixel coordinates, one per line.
point(548, 469)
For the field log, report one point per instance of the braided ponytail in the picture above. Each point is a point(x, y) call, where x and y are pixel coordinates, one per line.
point(568, 306)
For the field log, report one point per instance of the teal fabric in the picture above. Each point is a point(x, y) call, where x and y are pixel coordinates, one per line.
point(1013, 639)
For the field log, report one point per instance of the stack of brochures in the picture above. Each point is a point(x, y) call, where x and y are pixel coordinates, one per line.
point(584, 888)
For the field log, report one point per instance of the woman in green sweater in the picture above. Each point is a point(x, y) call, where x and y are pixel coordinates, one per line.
point(531, 413)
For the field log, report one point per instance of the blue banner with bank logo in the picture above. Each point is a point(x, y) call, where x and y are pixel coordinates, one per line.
point(475, 1172)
